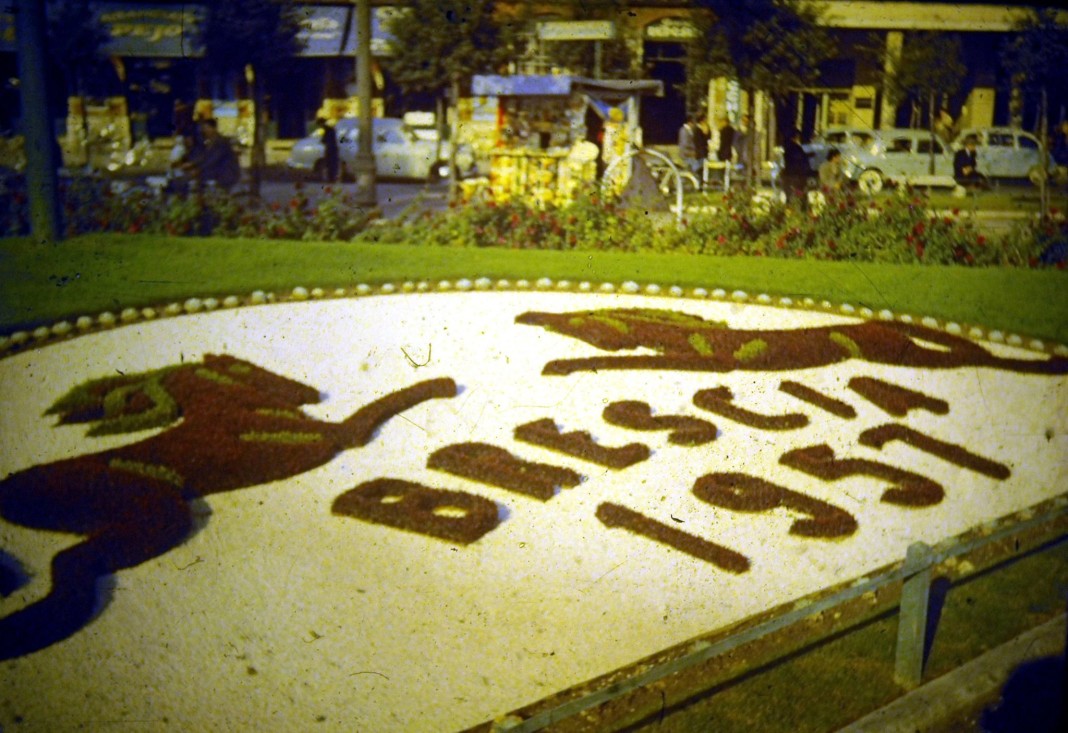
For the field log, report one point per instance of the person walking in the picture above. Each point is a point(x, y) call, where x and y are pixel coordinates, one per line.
point(331, 153)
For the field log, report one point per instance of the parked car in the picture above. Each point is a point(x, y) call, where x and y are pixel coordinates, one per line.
point(1006, 152)
point(875, 158)
point(398, 151)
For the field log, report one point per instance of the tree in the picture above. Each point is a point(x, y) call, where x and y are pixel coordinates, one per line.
point(75, 38)
point(257, 36)
point(611, 59)
point(1035, 59)
point(928, 68)
point(773, 46)
point(440, 44)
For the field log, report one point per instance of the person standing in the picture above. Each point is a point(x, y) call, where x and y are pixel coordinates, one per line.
point(796, 168)
point(688, 146)
point(701, 136)
point(741, 143)
point(725, 151)
point(832, 176)
point(331, 154)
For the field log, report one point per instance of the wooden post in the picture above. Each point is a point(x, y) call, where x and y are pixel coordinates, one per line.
point(912, 619)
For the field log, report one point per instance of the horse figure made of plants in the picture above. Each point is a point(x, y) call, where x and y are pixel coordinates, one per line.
point(682, 341)
point(232, 425)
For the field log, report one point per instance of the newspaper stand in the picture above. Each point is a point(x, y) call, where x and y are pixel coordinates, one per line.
point(544, 152)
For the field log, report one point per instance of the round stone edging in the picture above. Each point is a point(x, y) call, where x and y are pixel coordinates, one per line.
point(20, 341)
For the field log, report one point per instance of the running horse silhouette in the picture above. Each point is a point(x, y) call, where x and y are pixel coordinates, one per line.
point(687, 342)
point(240, 426)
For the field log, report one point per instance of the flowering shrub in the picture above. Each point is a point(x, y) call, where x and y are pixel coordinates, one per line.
point(590, 222)
point(92, 205)
point(894, 229)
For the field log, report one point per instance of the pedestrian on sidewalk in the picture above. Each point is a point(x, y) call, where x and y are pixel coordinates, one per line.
point(331, 153)
point(796, 168)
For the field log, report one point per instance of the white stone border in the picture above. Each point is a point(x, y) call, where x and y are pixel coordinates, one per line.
point(19, 341)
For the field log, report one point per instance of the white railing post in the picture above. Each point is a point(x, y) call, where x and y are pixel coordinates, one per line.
point(912, 617)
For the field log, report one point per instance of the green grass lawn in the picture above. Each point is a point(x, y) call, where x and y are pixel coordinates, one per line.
point(40, 284)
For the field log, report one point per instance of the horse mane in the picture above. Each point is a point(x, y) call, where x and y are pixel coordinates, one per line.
point(122, 404)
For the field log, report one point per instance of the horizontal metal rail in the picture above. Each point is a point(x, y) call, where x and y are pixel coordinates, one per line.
point(919, 561)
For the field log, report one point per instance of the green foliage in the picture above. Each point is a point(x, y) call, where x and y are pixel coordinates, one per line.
point(282, 437)
point(848, 344)
point(262, 33)
point(437, 41)
point(898, 229)
point(90, 205)
point(771, 45)
point(751, 350)
point(119, 404)
point(930, 64)
point(149, 470)
point(75, 37)
point(1037, 55)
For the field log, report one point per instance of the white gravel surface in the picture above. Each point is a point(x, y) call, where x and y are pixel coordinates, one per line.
point(279, 616)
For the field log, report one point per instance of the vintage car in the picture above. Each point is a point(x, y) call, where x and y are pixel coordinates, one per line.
point(1007, 152)
point(875, 158)
point(398, 151)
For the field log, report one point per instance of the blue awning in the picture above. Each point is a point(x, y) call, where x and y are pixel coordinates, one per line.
point(322, 29)
point(524, 85)
point(532, 85)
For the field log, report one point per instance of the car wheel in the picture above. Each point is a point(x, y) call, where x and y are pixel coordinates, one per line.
point(1036, 175)
point(438, 172)
point(870, 181)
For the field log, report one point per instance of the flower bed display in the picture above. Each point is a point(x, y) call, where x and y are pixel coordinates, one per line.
point(428, 509)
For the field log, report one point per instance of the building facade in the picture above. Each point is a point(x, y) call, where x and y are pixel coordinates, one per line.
point(150, 61)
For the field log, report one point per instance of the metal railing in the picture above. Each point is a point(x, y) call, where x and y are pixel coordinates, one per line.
point(630, 153)
point(914, 573)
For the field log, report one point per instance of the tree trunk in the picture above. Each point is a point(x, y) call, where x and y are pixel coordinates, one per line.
point(931, 125)
point(752, 173)
point(1043, 151)
point(258, 154)
point(440, 120)
point(454, 134)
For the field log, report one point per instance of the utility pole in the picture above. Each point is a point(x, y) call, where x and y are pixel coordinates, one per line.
point(365, 157)
point(40, 141)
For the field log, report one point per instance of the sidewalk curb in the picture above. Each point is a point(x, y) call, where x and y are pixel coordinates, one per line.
point(955, 692)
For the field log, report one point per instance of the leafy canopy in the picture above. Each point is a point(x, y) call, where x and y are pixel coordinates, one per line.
point(260, 33)
point(438, 41)
point(772, 45)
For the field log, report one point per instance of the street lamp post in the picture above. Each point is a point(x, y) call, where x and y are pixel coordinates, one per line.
point(40, 140)
point(365, 157)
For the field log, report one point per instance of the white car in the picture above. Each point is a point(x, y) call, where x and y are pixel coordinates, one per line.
point(875, 158)
point(398, 151)
point(1006, 152)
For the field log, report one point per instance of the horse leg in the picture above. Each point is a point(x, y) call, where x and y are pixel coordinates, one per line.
point(129, 518)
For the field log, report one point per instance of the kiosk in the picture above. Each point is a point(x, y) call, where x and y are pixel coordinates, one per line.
point(554, 134)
